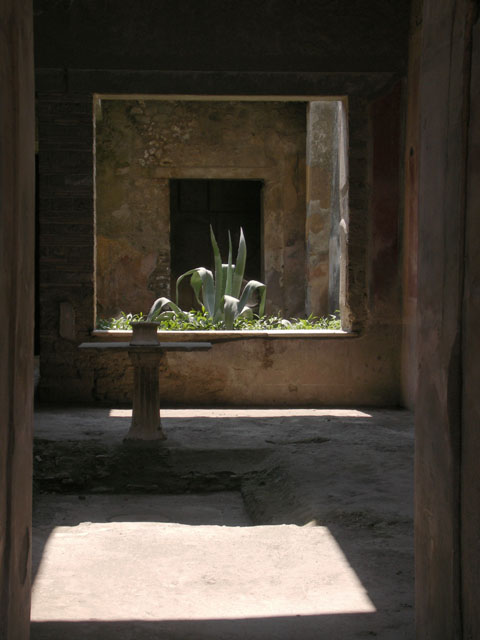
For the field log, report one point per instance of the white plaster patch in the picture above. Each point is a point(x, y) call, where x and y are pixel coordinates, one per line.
point(123, 213)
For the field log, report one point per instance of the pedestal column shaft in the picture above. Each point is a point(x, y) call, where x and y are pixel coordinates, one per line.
point(146, 423)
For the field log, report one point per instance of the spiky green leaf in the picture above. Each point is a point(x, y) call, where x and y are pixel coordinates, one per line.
point(159, 306)
point(252, 287)
point(219, 274)
point(239, 266)
point(202, 280)
point(230, 268)
point(230, 310)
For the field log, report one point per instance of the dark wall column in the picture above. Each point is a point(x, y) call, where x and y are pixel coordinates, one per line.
point(443, 345)
point(410, 219)
point(386, 114)
point(355, 290)
point(17, 162)
point(470, 478)
point(67, 241)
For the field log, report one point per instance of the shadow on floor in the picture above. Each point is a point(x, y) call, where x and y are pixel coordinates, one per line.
point(321, 627)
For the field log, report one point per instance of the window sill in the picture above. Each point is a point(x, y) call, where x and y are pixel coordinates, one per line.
point(221, 335)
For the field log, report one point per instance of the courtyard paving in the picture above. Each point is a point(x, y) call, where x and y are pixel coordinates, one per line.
point(252, 524)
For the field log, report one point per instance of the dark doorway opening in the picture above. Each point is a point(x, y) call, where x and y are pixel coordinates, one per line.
point(223, 204)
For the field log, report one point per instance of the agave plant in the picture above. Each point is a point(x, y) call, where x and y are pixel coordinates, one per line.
point(220, 295)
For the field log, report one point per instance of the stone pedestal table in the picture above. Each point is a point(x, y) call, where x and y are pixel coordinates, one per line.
point(146, 360)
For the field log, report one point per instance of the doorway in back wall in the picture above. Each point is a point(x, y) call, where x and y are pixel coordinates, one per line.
point(225, 205)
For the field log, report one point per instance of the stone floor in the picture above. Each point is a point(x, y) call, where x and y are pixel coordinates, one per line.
point(244, 524)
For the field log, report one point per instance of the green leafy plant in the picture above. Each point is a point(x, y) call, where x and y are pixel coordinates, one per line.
point(122, 323)
point(221, 296)
point(201, 321)
point(331, 322)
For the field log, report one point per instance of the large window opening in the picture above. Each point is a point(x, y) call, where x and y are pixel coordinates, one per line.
point(167, 169)
point(224, 205)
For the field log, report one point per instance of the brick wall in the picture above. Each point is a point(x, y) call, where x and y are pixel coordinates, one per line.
point(67, 234)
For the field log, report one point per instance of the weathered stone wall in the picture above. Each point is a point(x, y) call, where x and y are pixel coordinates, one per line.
point(141, 145)
point(302, 371)
point(68, 299)
point(262, 369)
point(67, 228)
point(17, 224)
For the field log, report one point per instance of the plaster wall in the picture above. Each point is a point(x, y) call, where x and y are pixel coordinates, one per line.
point(67, 229)
point(74, 62)
point(384, 276)
point(17, 174)
point(141, 145)
point(308, 370)
point(260, 369)
point(447, 403)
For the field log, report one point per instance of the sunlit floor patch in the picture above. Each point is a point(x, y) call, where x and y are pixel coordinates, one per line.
point(119, 569)
point(251, 413)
